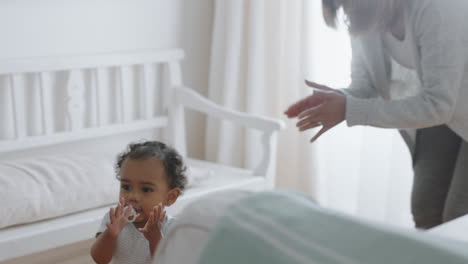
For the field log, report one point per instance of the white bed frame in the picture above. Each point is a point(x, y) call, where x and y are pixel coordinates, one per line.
point(39, 236)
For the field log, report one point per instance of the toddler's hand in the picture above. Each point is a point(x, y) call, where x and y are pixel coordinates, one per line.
point(118, 218)
point(153, 227)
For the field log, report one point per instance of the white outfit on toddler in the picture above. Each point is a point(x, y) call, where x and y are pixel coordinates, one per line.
point(132, 246)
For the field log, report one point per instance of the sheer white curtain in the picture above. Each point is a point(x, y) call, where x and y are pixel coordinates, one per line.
point(257, 65)
point(261, 52)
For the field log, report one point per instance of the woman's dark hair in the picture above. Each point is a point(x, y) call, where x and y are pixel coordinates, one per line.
point(362, 16)
point(173, 163)
point(330, 11)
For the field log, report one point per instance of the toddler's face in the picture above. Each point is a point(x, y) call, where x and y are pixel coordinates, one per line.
point(144, 184)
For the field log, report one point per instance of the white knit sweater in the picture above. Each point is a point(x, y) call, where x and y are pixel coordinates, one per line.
point(439, 35)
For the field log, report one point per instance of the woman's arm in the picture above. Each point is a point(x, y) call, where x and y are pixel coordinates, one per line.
point(360, 87)
point(440, 40)
point(361, 83)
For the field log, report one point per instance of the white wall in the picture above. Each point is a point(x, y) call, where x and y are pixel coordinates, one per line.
point(30, 28)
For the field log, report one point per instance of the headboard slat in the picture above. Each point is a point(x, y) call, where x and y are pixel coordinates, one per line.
point(146, 95)
point(45, 86)
point(18, 100)
point(176, 126)
point(126, 92)
point(101, 96)
point(75, 100)
point(92, 105)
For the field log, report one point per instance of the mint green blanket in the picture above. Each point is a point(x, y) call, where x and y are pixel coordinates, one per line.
point(285, 227)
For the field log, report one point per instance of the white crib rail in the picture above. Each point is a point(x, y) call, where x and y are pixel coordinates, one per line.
point(86, 102)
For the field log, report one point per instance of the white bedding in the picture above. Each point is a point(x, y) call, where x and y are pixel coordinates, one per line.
point(51, 185)
point(188, 234)
point(287, 227)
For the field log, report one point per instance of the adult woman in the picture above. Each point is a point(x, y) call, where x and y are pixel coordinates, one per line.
point(409, 71)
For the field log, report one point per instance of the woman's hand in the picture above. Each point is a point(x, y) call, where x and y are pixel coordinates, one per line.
point(118, 218)
point(326, 108)
point(153, 227)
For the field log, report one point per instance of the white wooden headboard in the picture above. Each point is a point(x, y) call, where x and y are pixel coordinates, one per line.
point(129, 85)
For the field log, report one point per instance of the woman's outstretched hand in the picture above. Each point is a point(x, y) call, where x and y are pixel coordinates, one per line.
point(326, 108)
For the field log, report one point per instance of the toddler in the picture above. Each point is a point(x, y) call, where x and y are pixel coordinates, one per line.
point(152, 176)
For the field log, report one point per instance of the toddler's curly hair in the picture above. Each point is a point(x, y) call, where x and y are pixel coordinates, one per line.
point(172, 160)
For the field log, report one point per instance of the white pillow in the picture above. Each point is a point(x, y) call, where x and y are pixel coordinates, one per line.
point(42, 187)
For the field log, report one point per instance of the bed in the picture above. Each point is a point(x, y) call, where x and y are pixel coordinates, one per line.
point(288, 227)
point(64, 119)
